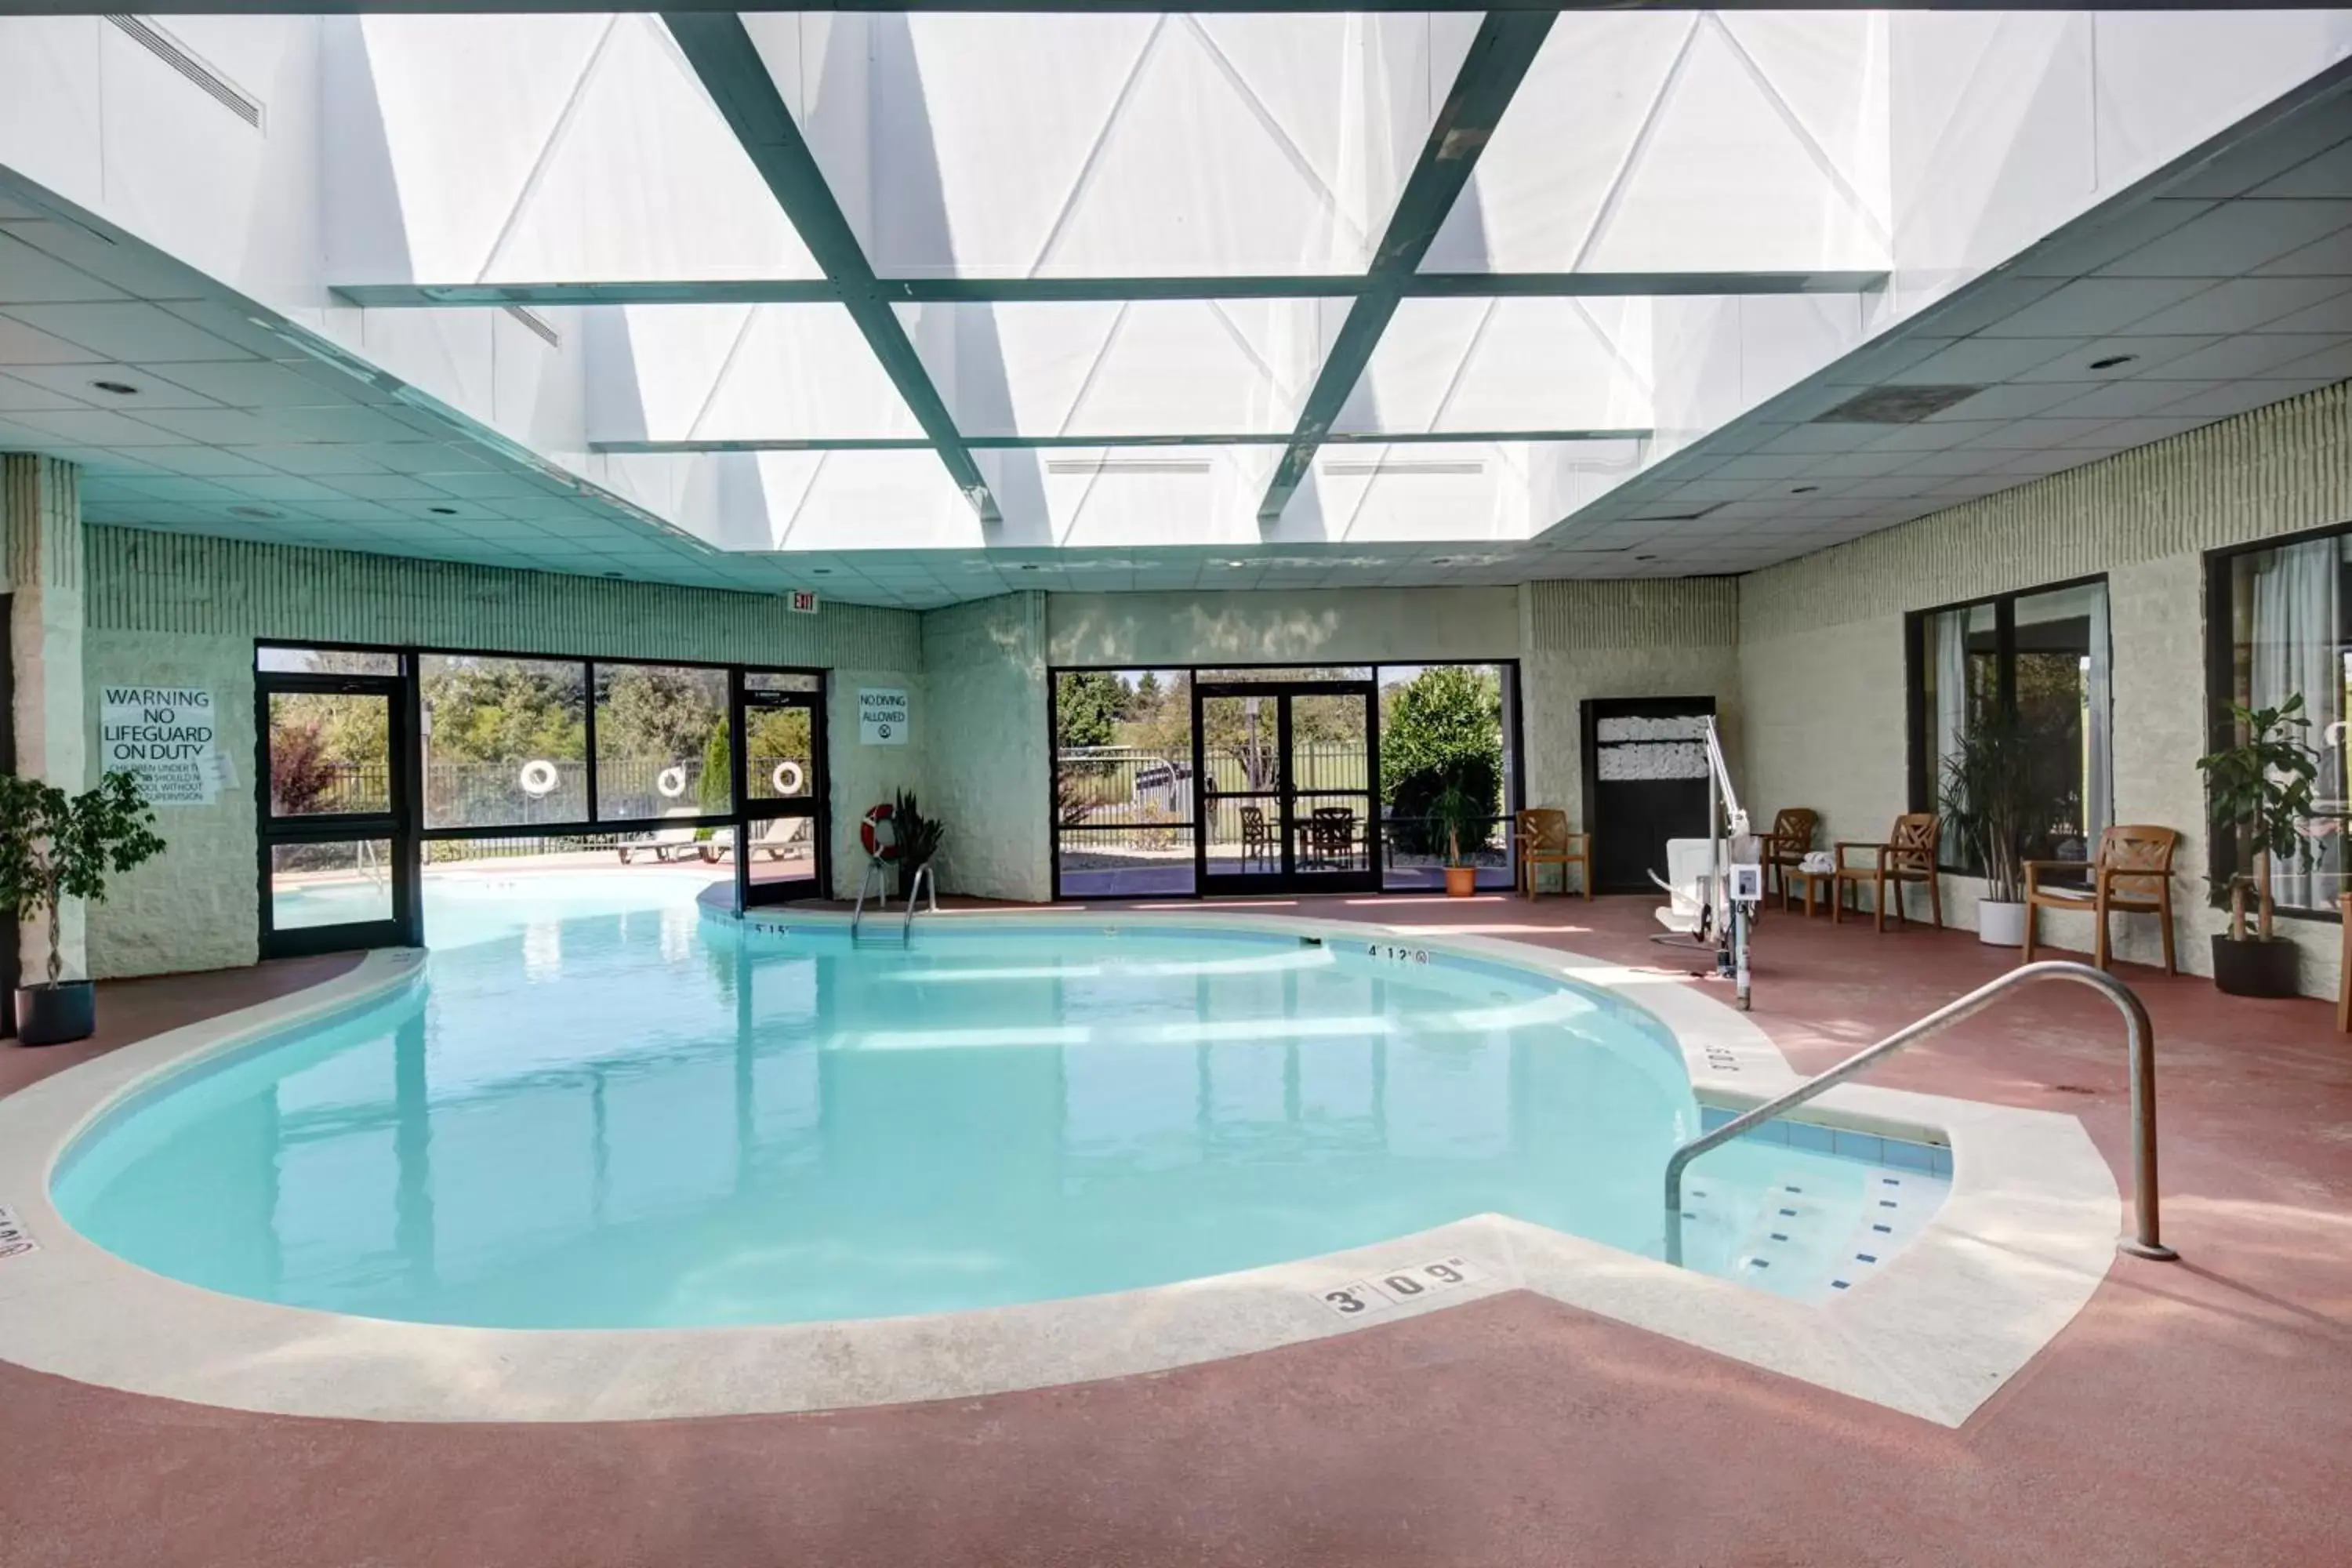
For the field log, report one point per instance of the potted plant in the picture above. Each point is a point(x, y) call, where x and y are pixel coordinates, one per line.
point(54, 846)
point(1458, 817)
point(2260, 789)
point(1994, 799)
point(917, 839)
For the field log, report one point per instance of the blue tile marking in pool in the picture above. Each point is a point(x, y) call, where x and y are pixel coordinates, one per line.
point(1870, 1148)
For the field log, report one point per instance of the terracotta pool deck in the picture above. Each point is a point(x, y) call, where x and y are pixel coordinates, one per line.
point(2196, 1413)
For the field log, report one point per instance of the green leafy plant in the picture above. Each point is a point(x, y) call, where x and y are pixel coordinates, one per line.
point(1457, 814)
point(1998, 795)
point(918, 836)
point(54, 846)
point(2259, 790)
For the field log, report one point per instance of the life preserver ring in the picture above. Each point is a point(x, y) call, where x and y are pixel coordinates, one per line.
point(538, 777)
point(671, 782)
point(866, 834)
point(788, 778)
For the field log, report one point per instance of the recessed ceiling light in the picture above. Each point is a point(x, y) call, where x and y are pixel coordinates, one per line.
point(1028, 566)
point(820, 571)
point(120, 388)
point(1646, 558)
point(257, 513)
point(1803, 490)
point(2112, 361)
point(1441, 561)
point(611, 574)
point(442, 510)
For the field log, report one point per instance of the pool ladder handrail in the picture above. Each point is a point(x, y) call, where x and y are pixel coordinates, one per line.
point(872, 882)
point(923, 883)
point(2140, 1041)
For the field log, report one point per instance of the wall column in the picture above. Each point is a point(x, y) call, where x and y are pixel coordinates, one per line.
point(42, 501)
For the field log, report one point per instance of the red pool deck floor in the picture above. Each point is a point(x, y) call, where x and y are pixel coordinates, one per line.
point(2196, 1413)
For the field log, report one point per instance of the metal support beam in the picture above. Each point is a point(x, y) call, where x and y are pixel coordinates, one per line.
point(1055, 443)
point(722, 54)
point(1498, 61)
point(1029, 290)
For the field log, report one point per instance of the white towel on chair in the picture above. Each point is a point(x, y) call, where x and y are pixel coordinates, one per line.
point(1818, 863)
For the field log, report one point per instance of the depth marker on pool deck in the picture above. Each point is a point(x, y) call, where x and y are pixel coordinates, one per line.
point(1398, 1286)
point(14, 1239)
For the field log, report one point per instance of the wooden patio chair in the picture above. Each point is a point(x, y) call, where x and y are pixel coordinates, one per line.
point(1907, 856)
point(2131, 874)
point(1258, 842)
point(1790, 840)
point(1544, 840)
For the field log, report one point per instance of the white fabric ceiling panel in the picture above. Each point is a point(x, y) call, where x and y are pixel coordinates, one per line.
point(1365, 493)
point(736, 373)
point(1506, 364)
point(1077, 145)
point(1150, 496)
point(1184, 367)
point(576, 149)
point(1674, 143)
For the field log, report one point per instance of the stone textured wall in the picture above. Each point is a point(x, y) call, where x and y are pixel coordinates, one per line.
point(1821, 659)
point(1596, 640)
point(863, 775)
point(989, 773)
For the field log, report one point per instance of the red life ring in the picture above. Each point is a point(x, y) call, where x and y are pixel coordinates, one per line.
point(866, 833)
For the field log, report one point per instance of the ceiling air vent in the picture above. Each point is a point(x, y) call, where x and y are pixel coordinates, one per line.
point(1127, 465)
point(1895, 404)
point(1365, 468)
point(172, 53)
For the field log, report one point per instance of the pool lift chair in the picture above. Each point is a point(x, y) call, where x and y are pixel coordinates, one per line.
point(1714, 884)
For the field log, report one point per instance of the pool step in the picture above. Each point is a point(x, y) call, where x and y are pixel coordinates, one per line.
point(1800, 1232)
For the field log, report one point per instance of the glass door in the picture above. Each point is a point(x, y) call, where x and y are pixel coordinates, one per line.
point(1285, 802)
point(338, 841)
point(780, 852)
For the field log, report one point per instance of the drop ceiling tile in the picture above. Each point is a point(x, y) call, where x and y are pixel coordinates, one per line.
point(1981, 360)
point(350, 424)
point(2126, 233)
point(211, 461)
point(318, 461)
point(2328, 258)
point(27, 395)
point(132, 331)
point(2120, 400)
point(2238, 237)
point(1933, 435)
point(2238, 396)
point(98, 427)
point(2090, 307)
point(2254, 354)
point(258, 384)
point(2137, 432)
point(22, 344)
point(216, 426)
point(29, 275)
point(2247, 304)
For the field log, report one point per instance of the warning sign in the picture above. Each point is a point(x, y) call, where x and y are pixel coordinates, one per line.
point(883, 716)
point(167, 736)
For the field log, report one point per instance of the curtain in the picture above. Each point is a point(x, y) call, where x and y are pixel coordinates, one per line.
point(2294, 651)
point(1952, 690)
point(2098, 809)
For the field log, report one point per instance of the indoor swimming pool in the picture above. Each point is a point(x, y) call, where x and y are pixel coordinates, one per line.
point(608, 1108)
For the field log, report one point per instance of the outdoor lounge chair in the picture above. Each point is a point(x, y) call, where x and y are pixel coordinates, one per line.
point(2131, 874)
point(669, 844)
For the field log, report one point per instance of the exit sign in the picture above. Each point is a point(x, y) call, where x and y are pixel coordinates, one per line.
point(803, 600)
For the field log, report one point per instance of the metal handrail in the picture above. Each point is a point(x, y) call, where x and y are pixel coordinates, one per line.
point(864, 883)
point(923, 880)
point(2140, 1038)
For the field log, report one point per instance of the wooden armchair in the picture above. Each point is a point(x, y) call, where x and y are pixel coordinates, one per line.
point(1907, 856)
point(2131, 874)
point(1790, 840)
point(1544, 840)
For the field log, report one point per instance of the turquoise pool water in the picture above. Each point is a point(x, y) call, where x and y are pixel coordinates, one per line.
point(603, 1112)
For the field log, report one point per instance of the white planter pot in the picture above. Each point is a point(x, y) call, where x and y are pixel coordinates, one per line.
point(2000, 925)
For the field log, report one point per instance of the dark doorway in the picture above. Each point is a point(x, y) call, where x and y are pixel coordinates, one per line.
point(335, 788)
point(1645, 776)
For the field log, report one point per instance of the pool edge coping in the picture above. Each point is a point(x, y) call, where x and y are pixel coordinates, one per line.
point(2020, 1242)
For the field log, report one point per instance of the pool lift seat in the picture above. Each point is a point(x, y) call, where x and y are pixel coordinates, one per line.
point(1714, 884)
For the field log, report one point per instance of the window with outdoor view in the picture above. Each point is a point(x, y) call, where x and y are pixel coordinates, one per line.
point(2043, 657)
point(2281, 619)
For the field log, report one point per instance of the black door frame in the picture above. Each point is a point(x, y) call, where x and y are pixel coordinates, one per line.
point(397, 826)
point(756, 814)
point(1592, 711)
point(1288, 877)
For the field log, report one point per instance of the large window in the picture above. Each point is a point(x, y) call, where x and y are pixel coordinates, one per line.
point(2280, 619)
point(1172, 782)
point(2044, 657)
